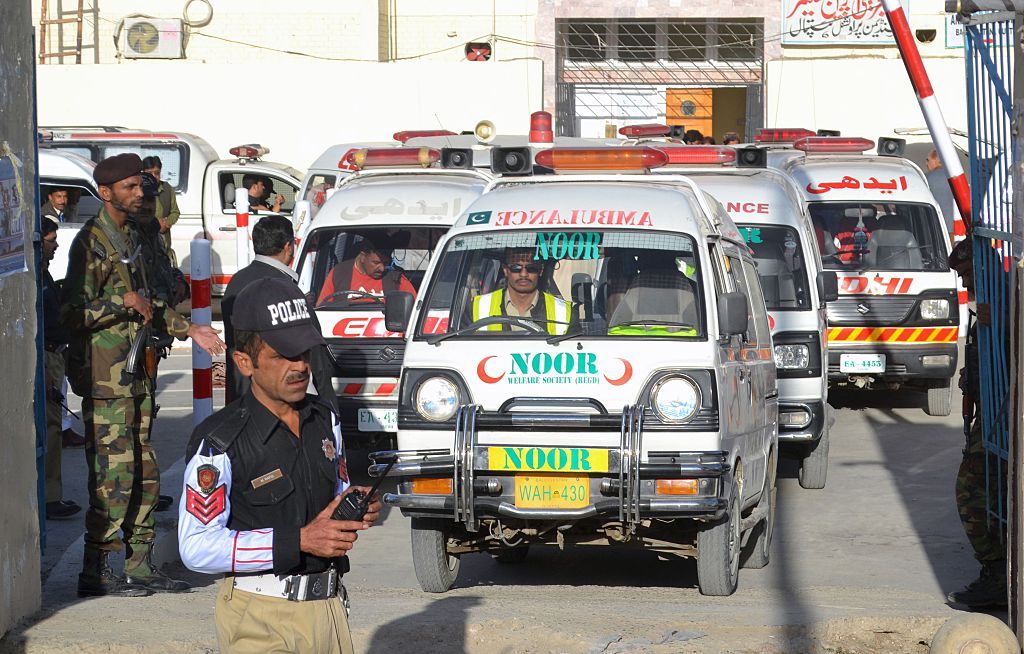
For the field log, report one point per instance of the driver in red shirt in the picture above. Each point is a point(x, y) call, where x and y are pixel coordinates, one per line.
point(367, 273)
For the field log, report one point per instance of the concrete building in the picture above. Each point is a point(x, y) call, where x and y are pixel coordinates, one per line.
point(19, 538)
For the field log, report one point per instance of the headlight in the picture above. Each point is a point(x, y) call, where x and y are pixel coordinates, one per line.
point(437, 399)
point(675, 399)
point(792, 357)
point(934, 309)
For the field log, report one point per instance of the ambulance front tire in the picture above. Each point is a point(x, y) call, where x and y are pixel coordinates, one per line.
point(436, 569)
point(512, 555)
point(940, 398)
point(814, 466)
point(718, 551)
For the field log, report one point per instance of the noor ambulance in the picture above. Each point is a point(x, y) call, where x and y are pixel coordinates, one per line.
point(897, 319)
point(604, 375)
point(402, 209)
point(770, 213)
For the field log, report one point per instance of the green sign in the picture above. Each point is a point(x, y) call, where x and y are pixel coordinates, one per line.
point(751, 234)
point(567, 245)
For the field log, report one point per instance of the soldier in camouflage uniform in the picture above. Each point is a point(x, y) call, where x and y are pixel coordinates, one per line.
point(167, 212)
point(972, 484)
point(105, 307)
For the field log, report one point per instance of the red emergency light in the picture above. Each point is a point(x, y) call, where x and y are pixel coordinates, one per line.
point(834, 144)
point(699, 154)
point(383, 157)
point(647, 129)
point(404, 136)
point(601, 158)
point(540, 128)
point(249, 151)
point(782, 135)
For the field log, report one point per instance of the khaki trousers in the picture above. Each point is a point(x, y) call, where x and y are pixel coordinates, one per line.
point(248, 623)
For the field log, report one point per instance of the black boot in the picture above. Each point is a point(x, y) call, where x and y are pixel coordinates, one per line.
point(987, 591)
point(148, 576)
point(98, 580)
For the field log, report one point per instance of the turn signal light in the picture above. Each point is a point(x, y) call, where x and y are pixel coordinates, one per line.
point(676, 487)
point(647, 129)
point(700, 154)
point(382, 157)
point(404, 136)
point(834, 144)
point(782, 135)
point(250, 151)
point(601, 158)
point(432, 486)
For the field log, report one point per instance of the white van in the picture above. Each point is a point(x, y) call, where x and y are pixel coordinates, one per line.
point(876, 223)
point(407, 210)
point(204, 183)
point(604, 374)
point(771, 215)
point(73, 173)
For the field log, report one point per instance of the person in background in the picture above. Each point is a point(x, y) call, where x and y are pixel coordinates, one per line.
point(708, 140)
point(370, 272)
point(256, 185)
point(56, 204)
point(730, 138)
point(938, 182)
point(693, 137)
point(166, 205)
point(55, 341)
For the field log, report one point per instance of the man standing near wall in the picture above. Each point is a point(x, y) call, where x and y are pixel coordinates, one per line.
point(166, 204)
point(106, 310)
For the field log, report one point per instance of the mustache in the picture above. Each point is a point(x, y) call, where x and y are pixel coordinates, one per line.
point(296, 377)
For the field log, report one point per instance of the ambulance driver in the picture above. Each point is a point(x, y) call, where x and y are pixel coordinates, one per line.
point(521, 296)
point(369, 272)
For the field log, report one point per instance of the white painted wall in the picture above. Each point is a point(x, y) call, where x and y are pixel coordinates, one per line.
point(320, 104)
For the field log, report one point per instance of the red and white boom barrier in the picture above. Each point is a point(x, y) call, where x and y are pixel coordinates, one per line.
point(242, 227)
point(932, 113)
point(202, 364)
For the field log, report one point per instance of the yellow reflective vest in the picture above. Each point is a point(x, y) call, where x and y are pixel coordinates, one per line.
point(556, 311)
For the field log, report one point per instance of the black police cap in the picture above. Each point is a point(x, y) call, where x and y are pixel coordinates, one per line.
point(277, 311)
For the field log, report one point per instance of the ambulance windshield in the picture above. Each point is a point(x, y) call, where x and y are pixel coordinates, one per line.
point(780, 265)
point(351, 269)
point(523, 284)
point(865, 236)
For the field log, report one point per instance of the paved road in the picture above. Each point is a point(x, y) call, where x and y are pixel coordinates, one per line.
point(861, 566)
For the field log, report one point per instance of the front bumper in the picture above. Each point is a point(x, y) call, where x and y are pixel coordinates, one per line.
point(626, 491)
point(902, 363)
point(807, 433)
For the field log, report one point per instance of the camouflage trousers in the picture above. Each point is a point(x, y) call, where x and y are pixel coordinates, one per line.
point(124, 480)
point(985, 535)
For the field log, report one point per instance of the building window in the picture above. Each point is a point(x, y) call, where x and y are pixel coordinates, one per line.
point(686, 40)
point(738, 41)
point(637, 42)
point(585, 41)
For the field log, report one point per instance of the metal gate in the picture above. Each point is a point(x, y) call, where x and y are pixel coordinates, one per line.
point(989, 42)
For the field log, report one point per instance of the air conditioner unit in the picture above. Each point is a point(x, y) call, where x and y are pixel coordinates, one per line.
point(153, 38)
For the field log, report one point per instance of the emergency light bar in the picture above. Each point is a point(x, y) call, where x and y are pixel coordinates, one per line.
point(782, 135)
point(383, 157)
point(602, 158)
point(404, 136)
point(540, 128)
point(812, 144)
point(249, 151)
point(647, 129)
point(699, 154)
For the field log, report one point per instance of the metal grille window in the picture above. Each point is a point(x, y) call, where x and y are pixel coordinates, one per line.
point(637, 42)
point(587, 42)
point(686, 41)
point(738, 41)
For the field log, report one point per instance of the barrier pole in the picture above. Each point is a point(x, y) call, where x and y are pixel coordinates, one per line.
point(202, 363)
point(242, 227)
point(932, 113)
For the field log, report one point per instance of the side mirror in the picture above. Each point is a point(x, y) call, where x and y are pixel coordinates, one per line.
point(583, 293)
point(397, 310)
point(733, 312)
point(828, 286)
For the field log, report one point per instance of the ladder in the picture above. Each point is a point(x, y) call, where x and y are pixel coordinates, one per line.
point(74, 16)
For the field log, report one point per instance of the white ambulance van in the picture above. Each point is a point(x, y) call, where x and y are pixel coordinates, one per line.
point(604, 375)
point(391, 213)
point(72, 173)
point(204, 184)
point(897, 320)
point(771, 215)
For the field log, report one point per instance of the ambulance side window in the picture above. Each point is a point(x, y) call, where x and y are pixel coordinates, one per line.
point(757, 308)
point(316, 190)
point(734, 270)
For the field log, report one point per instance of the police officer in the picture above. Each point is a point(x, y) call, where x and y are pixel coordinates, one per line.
point(105, 308)
point(264, 475)
point(521, 296)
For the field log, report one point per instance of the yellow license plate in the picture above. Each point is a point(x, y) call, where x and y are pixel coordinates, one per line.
point(549, 492)
point(547, 459)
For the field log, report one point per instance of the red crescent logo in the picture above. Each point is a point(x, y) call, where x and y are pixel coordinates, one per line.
point(481, 372)
point(771, 322)
point(627, 374)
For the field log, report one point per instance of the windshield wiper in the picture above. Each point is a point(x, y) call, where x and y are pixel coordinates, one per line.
point(897, 253)
point(558, 338)
point(658, 323)
point(526, 323)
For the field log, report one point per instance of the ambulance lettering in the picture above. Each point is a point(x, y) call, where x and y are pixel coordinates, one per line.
point(857, 285)
point(589, 217)
point(373, 327)
point(747, 207)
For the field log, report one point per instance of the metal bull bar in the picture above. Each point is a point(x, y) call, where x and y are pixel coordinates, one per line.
point(464, 473)
point(630, 452)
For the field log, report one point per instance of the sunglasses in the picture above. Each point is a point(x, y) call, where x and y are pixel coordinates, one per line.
point(532, 268)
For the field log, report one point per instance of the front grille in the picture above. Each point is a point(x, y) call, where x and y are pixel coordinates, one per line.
point(879, 310)
point(367, 357)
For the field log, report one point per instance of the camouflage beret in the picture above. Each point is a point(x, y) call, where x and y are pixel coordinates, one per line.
point(114, 169)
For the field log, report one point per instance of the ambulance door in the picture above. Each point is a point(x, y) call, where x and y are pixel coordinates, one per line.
point(760, 362)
